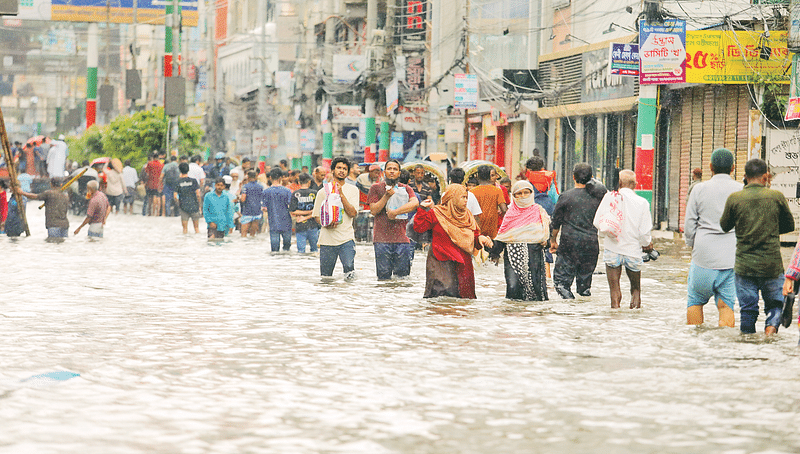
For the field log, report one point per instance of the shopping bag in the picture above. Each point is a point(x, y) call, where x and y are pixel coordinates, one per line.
point(553, 192)
point(609, 216)
point(332, 208)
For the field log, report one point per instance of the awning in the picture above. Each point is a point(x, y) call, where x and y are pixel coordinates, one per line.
point(588, 108)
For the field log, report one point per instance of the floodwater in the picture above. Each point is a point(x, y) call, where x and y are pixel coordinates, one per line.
point(186, 347)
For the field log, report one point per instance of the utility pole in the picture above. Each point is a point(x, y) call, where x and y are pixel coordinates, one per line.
point(327, 132)
point(91, 76)
point(369, 102)
point(262, 90)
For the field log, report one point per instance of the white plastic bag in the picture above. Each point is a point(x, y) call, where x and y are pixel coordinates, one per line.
point(332, 208)
point(609, 216)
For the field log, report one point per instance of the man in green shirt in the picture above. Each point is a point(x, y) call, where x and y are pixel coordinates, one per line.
point(760, 215)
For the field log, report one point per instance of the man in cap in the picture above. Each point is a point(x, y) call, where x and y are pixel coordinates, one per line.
point(711, 272)
point(96, 212)
point(760, 216)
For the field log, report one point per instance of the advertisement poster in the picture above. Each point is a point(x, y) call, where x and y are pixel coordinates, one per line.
point(466, 91)
point(662, 52)
point(623, 59)
point(728, 57)
point(783, 157)
point(396, 146)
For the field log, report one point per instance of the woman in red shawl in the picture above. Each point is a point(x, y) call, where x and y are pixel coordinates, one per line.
point(455, 237)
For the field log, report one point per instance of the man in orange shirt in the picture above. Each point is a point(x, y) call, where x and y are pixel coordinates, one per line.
point(491, 200)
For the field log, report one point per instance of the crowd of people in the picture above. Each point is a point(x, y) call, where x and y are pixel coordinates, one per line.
point(733, 229)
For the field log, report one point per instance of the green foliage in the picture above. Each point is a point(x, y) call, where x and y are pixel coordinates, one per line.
point(134, 137)
point(776, 98)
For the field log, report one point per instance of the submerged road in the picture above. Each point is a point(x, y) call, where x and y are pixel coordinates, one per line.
point(149, 341)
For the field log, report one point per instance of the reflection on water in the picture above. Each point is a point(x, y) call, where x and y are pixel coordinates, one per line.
point(186, 347)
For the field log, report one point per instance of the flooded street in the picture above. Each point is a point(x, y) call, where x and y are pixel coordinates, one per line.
point(187, 347)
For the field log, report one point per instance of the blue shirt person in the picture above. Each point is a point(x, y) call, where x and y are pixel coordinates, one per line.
point(218, 211)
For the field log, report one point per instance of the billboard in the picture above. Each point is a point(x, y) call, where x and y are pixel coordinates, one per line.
point(728, 57)
point(662, 52)
point(150, 12)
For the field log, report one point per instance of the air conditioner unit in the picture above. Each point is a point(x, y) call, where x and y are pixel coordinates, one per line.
point(378, 37)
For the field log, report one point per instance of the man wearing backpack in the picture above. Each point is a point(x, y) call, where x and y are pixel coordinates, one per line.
point(170, 175)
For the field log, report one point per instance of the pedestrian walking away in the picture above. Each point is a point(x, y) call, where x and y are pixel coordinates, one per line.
point(276, 199)
point(760, 216)
point(251, 200)
point(523, 236)
point(711, 273)
point(624, 248)
point(578, 247)
point(456, 236)
point(188, 198)
point(335, 209)
point(390, 202)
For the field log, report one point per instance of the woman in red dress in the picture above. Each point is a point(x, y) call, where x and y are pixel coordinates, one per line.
point(455, 237)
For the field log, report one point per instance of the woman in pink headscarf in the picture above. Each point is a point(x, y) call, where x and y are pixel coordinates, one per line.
point(523, 235)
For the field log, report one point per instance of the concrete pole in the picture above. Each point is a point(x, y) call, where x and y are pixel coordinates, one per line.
point(91, 76)
point(383, 148)
point(645, 140)
point(262, 90)
point(369, 108)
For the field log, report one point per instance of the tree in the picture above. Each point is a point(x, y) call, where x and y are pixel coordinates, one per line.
point(134, 137)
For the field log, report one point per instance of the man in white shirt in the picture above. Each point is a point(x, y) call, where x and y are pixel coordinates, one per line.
point(197, 172)
point(338, 240)
point(56, 157)
point(626, 249)
point(130, 178)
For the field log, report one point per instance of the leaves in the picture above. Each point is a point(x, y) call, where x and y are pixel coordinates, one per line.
point(134, 137)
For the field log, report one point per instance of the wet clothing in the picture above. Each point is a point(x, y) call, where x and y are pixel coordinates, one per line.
point(523, 267)
point(115, 185)
point(276, 200)
point(56, 158)
point(747, 289)
point(388, 230)
point(56, 205)
point(219, 210)
point(578, 247)
point(712, 248)
point(253, 193)
point(152, 173)
point(187, 195)
point(97, 208)
point(14, 225)
point(343, 232)
point(489, 198)
point(636, 226)
point(760, 215)
point(448, 269)
point(3, 207)
point(303, 200)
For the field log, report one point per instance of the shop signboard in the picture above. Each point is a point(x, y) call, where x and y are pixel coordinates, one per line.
point(392, 97)
point(783, 157)
point(412, 22)
point(623, 59)
point(736, 57)
point(346, 114)
point(662, 52)
point(308, 140)
point(347, 68)
point(415, 79)
point(598, 82)
point(466, 91)
point(149, 12)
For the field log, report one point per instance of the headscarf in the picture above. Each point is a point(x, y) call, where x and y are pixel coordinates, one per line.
point(458, 223)
point(525, 221)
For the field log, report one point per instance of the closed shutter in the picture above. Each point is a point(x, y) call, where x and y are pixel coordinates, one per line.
point(685, 152)
point(742, 122)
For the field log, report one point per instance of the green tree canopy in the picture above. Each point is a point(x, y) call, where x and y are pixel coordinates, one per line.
point(134, 137)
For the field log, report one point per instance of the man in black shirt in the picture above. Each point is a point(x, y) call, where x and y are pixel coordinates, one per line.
point(301, 207)
point(573, 216)
point(189, 198)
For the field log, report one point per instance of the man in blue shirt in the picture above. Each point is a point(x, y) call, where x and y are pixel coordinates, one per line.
point(250, 198)
point(218, 211)
point(276, 204)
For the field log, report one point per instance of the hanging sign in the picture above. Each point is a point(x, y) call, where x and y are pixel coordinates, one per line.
point(466, 91)
point(662, 52)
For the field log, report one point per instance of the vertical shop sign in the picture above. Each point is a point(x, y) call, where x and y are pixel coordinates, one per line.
point(662, 52)
point(415, 79)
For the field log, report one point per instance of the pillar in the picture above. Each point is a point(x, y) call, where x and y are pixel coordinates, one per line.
point(645, 141)
point(91, 76)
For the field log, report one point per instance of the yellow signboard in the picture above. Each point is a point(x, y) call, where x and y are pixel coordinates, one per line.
point(728, 57)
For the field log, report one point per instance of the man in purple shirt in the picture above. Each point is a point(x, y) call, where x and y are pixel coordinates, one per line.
point(276, 203)
point(96, 212)
point(250, 198)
